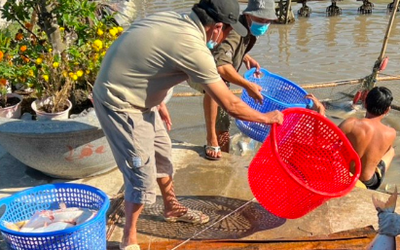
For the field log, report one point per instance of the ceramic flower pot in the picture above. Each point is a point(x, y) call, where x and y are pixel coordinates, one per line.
point(44, 116)
point(69, 149)
point(12, 111)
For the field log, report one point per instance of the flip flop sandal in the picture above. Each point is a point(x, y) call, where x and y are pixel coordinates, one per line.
point(130, 247)
point(191, 216)
point(216, 149)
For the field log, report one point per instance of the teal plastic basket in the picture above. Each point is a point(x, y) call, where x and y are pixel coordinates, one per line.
point(90, 235)
point(279, 94)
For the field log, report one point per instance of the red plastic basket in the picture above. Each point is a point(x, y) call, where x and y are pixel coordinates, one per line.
point(302, 163)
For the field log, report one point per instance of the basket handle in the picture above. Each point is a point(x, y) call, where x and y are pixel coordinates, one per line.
point(354, 157)
point(4, 201)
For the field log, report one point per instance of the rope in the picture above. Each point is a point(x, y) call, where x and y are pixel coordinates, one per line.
point(207, 228)
point(306, 86)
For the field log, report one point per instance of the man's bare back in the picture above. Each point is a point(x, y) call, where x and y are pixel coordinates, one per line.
point(372, 139)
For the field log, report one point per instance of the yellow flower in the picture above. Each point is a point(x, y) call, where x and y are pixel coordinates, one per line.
point(55, 65)
point(62, 29)
point(113, 31)
point(70, 74)
point(97, 45)
point(39, 61)
point(100, 32)
point(64, 73)
point(87, 72)
point(31, 73)
point(120, 29)
point(79, 73)
point(50, 50)
point(75, 77)
point(103, 53)
point(46, 78)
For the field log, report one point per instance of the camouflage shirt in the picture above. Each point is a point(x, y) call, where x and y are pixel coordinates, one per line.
point(233, 49)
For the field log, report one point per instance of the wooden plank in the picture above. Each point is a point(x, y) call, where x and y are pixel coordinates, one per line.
point(356, 239)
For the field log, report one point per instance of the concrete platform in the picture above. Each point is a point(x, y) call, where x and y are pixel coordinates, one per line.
point(218, 188)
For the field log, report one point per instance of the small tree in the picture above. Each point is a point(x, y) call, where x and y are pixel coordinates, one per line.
point(60, 45)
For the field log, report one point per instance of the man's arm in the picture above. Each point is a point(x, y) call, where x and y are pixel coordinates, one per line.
point(224, 55)
point(237, 108)
point(229, 73)
point(250, 62)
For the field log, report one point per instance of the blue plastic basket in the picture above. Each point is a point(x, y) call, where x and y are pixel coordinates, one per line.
point(21, 206)
point(279, 94)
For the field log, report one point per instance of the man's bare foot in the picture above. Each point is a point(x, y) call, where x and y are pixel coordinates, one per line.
point(212, 152)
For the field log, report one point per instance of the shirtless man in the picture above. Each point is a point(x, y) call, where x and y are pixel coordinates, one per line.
point(371, 139)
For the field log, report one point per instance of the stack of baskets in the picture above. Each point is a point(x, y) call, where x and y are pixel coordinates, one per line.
point(90, 235)
point(279, 94)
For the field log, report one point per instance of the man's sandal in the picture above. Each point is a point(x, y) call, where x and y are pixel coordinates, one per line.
point(130, 247)
point(191, 216)
point(215, 149)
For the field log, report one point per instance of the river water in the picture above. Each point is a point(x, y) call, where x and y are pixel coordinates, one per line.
point(310, 50)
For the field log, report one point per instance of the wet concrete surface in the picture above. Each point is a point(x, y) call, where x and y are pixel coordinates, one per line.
point(218, 188)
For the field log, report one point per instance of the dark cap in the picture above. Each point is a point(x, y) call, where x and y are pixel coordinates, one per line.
point(224, 11)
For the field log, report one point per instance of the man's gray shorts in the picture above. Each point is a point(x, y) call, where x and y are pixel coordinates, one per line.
point(141, 147)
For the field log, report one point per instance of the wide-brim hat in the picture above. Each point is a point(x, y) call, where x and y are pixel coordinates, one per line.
point(224, 11)
point(261, 8)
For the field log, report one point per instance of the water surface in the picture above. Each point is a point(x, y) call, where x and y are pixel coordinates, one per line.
point(310, 50)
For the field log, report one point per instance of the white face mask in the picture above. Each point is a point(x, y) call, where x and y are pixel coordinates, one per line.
point(211, 44)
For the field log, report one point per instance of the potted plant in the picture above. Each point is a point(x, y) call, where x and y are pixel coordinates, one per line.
point(61, 45)
point(58, 45)
point(9, 102)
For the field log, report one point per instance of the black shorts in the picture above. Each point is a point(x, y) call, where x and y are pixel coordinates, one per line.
point(377, 178)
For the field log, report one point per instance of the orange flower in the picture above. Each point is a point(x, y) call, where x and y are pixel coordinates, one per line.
point(28, 26)
point(3, 82)
point(26, 59)
point(1, 55)
point(19, 36)
point(23, 48)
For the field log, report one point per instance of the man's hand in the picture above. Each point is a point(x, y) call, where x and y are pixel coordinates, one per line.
point(251, 63)
point(317, 105)
point(274, 117)
point(164, 114)
point(254, 91)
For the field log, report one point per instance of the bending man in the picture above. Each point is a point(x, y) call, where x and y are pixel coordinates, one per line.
point(153, 55)
point(229, 56)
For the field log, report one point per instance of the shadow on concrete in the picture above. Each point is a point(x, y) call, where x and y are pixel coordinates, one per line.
point(248, 220)
point(19, 175)
point(190, 147)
